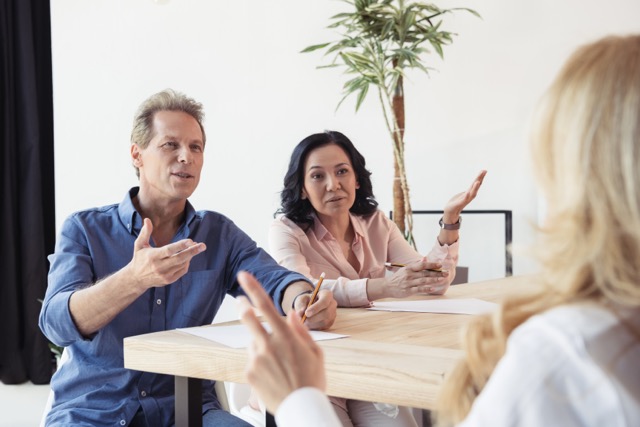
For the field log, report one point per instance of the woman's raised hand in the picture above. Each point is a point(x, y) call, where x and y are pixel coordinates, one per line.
point(285, 359)
point(457, 203)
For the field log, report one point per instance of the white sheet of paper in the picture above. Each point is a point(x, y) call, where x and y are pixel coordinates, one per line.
point(451, 306)
point(238, 336)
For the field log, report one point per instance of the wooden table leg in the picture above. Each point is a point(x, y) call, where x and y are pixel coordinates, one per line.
point(188, 402)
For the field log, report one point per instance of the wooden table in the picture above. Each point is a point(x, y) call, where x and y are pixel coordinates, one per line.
point(392, 357)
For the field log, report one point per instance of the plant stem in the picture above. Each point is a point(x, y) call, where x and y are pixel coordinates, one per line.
point(398, 151)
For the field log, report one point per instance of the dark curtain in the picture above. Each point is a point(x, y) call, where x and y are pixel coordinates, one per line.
point(27, 222)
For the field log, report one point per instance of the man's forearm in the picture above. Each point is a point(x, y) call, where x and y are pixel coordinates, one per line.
point(94, 307)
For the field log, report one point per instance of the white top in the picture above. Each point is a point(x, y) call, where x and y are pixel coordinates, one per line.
point(571, 366)
point(307, 407)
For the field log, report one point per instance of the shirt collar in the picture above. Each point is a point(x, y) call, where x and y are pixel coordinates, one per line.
point(128, 214)
point(320, 230)
point(132, 219)
point(358, 227)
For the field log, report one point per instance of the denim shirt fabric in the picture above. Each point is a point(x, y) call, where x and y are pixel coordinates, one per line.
point(93, 387)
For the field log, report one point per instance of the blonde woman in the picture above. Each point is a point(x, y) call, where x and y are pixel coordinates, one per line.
point(568, 355)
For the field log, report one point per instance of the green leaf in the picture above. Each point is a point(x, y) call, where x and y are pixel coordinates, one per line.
point(361, 96)
point(438, 47)
point(327, 66)
point(314, 47)
point(342, 15)
point(471, 11)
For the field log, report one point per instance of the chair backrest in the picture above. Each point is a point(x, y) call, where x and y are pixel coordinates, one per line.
point(234, 397)
point(47, 407)
point(486, 240)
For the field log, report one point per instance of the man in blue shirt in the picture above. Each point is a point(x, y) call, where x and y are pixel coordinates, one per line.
point(150, 263)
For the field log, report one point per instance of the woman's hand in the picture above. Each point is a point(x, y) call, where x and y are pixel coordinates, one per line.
point(457, 203)
point(417, 278)
point(283, 361)
point(454, 207)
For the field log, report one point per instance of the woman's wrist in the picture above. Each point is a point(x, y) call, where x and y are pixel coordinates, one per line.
point(450, 222)
point(448, 237)
point(376, 289)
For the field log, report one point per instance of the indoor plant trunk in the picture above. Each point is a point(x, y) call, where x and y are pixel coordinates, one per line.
point(401, 201)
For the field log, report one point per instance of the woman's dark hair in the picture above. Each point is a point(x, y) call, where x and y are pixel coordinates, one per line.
point(300, 210)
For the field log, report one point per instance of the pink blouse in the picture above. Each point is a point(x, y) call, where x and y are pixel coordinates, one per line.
point(377, 240)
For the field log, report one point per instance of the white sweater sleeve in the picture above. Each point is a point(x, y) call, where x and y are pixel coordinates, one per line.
point(307, 407)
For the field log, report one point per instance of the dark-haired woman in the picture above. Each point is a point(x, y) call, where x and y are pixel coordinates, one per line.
point(331, 224)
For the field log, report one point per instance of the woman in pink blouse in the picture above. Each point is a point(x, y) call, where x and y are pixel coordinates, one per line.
point(331, 223)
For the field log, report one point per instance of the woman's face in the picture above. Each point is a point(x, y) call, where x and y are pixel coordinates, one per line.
point(330, 182)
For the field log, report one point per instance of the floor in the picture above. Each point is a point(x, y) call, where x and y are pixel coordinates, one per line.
point(22, 405)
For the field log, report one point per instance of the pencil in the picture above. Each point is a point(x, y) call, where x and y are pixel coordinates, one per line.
point(313, 296)
point(395, 264)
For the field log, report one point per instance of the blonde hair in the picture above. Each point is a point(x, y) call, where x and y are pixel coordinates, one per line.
point(167, 100)
point(586, 149)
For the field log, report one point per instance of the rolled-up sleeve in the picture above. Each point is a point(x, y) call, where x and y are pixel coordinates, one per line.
point(244, 254)
point(70, 269)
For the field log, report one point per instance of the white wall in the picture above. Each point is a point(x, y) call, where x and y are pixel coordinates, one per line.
point(240, 59)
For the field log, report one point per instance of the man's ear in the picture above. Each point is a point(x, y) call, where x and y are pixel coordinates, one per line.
point(136, 155)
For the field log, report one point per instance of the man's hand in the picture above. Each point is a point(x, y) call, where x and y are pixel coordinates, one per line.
point(95, 306)
point(151, 267)
point(321, 314)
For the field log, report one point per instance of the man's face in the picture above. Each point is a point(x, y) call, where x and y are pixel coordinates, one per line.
point(170, 165)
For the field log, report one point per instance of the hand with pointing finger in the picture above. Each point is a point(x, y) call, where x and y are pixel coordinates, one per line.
point(284, 360)
point(152, 267)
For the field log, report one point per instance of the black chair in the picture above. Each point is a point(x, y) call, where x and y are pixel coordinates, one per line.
point(508, 235)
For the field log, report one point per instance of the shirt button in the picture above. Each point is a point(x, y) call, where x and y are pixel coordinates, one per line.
point(143, 393)
point(158, 301)
point(123, 422)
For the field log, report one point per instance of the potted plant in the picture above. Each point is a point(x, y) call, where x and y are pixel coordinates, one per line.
point(380, 40)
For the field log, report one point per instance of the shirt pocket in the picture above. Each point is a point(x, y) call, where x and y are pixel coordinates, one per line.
point(201, 294)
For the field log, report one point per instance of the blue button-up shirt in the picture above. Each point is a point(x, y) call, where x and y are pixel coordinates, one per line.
point(93, 387)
